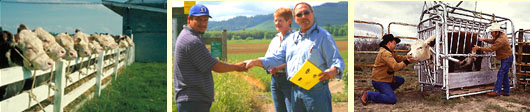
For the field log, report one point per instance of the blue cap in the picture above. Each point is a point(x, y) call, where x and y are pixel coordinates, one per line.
point(199, 10)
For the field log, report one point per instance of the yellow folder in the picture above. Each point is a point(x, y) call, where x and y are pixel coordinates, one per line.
point(307, 76)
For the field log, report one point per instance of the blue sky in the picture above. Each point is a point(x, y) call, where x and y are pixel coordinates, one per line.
point(59, 18)
point(385, 12)
point(224, 10)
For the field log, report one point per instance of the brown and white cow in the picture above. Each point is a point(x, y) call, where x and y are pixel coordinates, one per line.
point(420, 50)
point(52, 48)
point(32, 51)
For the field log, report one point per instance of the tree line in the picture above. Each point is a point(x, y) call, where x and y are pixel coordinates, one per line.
point(335, 30)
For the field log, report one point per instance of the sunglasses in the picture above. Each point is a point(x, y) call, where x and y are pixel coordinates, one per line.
point(304, 13)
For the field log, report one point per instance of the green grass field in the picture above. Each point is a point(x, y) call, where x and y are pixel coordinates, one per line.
point(140, 87)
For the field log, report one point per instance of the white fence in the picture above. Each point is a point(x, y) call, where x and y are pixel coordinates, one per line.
point(83, 78)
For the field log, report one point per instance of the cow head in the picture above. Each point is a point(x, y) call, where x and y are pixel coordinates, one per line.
point(32, 51)
point(420, 50)
point(81, 44)
point(52, 48)
point(68, 43)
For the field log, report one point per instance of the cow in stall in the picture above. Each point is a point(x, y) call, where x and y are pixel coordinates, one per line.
point(420, 50)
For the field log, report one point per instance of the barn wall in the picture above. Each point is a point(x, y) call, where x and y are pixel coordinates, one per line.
point(149, 29)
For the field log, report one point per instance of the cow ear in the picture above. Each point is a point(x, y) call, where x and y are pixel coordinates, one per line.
point(77, 40)
point(17, 37)
point(430, 41)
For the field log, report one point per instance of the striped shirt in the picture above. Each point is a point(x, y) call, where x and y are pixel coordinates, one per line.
point(192, 77)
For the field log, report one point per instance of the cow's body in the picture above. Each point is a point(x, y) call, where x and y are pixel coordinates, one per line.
point(463, 43)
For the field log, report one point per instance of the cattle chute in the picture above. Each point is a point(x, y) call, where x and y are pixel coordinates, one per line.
point(441, 20)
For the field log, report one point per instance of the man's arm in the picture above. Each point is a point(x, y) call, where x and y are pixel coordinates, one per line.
point(333, 59)
point(221, 67)
point(275, 69)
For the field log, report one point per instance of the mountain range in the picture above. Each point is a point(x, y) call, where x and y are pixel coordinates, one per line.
point(325, 14)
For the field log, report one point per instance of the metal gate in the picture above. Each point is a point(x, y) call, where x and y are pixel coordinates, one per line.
point(442, 19)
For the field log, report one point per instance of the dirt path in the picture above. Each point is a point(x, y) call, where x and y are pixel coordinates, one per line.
point(417, 101)
point(252, 80)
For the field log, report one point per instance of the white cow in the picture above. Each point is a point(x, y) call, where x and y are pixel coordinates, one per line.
point(52, 48)
point(420, 50)
point(81, 44)
point(68, 43)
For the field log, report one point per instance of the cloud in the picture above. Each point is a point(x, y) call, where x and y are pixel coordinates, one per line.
point(410, 12)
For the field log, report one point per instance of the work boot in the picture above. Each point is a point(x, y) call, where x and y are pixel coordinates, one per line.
point(493, 93)
point(363, 97)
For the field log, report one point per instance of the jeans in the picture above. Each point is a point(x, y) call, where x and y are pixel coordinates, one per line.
point(194, 106)
point(503, 80)
point(317, 99)
point(386, 91)
point(281, 93)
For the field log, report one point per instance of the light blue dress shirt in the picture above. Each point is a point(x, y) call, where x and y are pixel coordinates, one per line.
point(316, 45)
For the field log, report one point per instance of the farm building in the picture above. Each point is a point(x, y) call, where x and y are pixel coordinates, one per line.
point(147, 21)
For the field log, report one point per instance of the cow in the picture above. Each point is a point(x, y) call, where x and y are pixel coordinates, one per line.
point(420, 50)
point(23, 49)
point(81, 44)
point(68, 43)
point(52, 48)
point(122, 41)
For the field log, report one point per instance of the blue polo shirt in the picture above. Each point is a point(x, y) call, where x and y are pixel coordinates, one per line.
point(316, 45)
point(192, 77)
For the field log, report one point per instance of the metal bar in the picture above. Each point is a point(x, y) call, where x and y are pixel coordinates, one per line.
point(368, 22)
point(365, 37)
point(400, 23)
point(467, 94)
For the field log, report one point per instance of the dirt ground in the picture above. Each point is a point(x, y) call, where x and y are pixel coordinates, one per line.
point(414, 100)
point(262, 47)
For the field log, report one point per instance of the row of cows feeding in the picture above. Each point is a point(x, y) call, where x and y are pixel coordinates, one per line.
point(38, 50)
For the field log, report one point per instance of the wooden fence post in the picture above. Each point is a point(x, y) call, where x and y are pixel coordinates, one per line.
point(117, 62)
point(99, 73)
point(59, 86)
point(224, 48)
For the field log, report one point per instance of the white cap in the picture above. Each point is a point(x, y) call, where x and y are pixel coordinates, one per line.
point(494, 27)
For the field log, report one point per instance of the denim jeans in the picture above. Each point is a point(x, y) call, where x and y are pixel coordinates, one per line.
point(316, 99)
point(281, 93)
point(386, 91)
point(503, 80)
point(194, 106)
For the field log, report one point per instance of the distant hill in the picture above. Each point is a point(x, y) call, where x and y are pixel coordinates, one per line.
point(325, 14)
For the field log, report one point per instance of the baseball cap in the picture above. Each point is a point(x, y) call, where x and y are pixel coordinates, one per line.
point(199, 10)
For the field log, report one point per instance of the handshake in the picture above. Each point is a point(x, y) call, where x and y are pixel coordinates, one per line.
point(245, 65)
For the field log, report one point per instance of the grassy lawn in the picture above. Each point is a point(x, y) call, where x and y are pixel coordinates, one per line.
point(140, 87)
